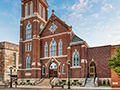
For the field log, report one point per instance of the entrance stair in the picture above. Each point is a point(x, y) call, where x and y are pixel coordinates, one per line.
point(90, 82)
point(45, 82)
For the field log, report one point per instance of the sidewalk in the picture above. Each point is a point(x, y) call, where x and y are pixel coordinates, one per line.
point(59, 88)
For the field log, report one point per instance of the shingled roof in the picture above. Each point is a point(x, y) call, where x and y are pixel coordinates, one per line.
point(45, 1)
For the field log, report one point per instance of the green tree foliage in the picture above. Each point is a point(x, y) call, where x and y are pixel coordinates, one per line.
point(114, 62)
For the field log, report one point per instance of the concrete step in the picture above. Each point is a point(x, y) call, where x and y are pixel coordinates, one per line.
point(90, 82)
point(45, 82)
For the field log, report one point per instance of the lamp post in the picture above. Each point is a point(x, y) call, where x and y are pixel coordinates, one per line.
point(68, 74)
point(11, 77)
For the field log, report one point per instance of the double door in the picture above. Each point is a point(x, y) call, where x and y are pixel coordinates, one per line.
point(53, 73)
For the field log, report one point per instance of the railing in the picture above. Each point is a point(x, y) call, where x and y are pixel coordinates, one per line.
point(86, 79)
point(38, 81)
point(51, 80)
point(96, 80)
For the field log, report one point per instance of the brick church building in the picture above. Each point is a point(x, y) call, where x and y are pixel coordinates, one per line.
point(46, 45)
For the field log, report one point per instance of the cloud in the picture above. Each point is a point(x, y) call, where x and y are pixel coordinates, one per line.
point(96, 15)
point(118, 17)
point(118, 12)
point(109, 35)
point(107, 7)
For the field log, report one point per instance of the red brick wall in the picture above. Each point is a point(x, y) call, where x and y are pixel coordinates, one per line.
point(100, 56)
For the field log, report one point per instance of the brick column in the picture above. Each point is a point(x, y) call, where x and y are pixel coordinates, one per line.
point(83, 61)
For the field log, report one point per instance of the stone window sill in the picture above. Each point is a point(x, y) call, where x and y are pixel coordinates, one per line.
point(75, 67)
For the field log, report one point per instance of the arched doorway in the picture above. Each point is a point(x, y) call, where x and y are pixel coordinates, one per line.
point(53, 70)
point(92, 70)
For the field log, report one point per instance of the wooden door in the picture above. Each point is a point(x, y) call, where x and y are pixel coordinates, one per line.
point(92, 71)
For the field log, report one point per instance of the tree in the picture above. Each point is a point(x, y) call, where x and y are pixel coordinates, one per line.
point(114, 62)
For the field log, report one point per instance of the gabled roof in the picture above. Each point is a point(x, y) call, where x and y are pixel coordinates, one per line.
point(76, 40)
point(53, 15)
point(45, 1)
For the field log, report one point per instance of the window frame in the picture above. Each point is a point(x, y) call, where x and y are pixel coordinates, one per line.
point(53, 48)
point(60, 48)
point(28, 63)
point(76, 58)
point(31, 8)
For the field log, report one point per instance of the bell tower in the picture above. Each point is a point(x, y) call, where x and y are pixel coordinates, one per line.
point(34, 15)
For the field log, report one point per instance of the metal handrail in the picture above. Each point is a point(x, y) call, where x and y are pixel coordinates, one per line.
point(86, 79)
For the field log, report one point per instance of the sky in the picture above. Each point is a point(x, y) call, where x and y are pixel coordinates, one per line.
point(95, 21)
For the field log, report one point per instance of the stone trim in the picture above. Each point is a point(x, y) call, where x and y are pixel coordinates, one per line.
point(75, 43)
point(33, 15)
point(75, 67)
point(29, 69)
point(55, 35)
point(53, 57)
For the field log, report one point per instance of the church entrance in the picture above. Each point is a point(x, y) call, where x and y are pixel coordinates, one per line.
point(92, 70)
point(53, 70)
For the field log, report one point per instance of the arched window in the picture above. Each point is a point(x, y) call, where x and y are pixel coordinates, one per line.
point(53, 48)
point(53, 66)
point(75, 58)
point(43, 71)
point(28, 31)
point(28, 62)
point(31, 8)
point(41, 27)
point(26, 10)
point(63, 69)
point(46, 50)
point(60, 48)
point(39, 10)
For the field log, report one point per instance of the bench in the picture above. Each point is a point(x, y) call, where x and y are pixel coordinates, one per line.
point(58, 86)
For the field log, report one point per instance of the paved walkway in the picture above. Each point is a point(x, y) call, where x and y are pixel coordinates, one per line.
point(49, 88)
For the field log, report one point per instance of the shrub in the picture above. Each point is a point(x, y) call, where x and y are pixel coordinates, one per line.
point(108, 82)
point(73, 83)
point(78, 82)
point(100, 84)
point(56, 84)
point(107, 85)
point(70, 84)
point(64, 83)
point(104, 82)
point(60, 82)
point(22, 83)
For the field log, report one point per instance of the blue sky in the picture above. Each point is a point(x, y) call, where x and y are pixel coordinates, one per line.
point(95, 21)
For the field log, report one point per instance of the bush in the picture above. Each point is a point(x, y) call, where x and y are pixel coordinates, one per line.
point(22, 83)
point(70, 84)
point(107, 85)
point(56, 84)
point(108, 82)
point(100, 84)
point(64, 83)
point(60, 82)
point(73, 83)
point(104, 82)
point(78, 82)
